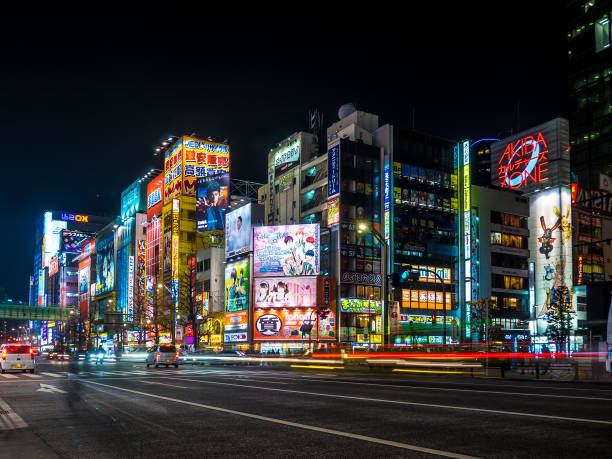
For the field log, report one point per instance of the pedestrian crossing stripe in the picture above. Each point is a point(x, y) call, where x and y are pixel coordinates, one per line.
point(55, 375)
point(6, 375)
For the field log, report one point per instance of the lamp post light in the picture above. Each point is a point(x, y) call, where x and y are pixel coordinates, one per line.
point(362, 227)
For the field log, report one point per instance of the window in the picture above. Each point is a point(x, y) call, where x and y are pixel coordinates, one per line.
point(207, 264)
point(511, 303)
point(206, 285)
point(602, 34)
point(514, 283)
point(200, 266)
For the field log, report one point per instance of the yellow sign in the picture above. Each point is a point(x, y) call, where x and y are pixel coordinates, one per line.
point(372, 339)
point(397, 168)
point(202, 158)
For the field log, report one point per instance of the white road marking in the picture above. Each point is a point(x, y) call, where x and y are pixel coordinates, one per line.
point(32, 375)
point(452, 389)
point(8, 376)
point(164, 384)
point(402, 402)
point(55, 375)
point(9, 420)
point(49, 388)
point(293, 424)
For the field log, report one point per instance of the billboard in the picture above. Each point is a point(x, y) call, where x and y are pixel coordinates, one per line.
point(290, 250)
point(284, 324)
point(105, 264)
point(132, 199)
point(130, 292)
point(532, 159)
point(235, 321)
point(84, 270)
point(360, 306)
point(285, 292)
point(173, 170)
point(202, 158)
point(155, 200)
point(333, 211)
point(333, 171)
point(425, 299)
point(286, 157)
point(237, 286)
point(73, 241)
point(238, 233)
point(212, 201)
point(53, 266)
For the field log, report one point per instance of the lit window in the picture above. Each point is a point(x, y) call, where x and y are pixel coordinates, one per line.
point(602, 34)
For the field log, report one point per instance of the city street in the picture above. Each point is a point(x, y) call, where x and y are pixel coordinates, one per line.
point(78, 409)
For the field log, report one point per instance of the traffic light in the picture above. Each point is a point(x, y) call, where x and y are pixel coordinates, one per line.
point(409, 275)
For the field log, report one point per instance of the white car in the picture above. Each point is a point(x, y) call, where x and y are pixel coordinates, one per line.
point(17, 357)
point(163, 354)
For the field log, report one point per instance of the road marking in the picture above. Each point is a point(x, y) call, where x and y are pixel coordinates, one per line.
point(292, 424)
point(164, 384)
point(402, 402)
point(32, 375)
point(9, 420)
point(452, 389)
point(5, 375)
point(49, 388)
point(55, 375)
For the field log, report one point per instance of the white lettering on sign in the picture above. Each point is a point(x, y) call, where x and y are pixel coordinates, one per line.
point(75, 217)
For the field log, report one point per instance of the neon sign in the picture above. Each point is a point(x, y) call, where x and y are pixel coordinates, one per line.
point(75, 217)
point(523, 161)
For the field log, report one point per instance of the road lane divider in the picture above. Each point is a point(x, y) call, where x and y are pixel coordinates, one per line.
point(338, 433)
point(9, 419)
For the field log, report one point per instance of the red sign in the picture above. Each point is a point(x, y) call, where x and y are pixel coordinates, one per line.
point(155, 200)
point(53, 266)
point(524, 161)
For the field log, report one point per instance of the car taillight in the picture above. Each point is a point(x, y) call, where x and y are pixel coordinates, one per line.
point(176, 356)
point(3, 354)
point(158, 356)
point(31, 354)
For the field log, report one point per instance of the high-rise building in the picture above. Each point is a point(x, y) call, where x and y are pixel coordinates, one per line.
point(590, 116)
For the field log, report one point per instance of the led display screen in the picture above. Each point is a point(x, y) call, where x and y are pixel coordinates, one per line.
point(212, 202)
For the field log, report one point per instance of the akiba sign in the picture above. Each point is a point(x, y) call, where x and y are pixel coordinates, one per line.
point(533, 159)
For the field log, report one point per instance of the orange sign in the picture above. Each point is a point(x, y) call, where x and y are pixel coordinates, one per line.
point(424, 299)
point(236, 320)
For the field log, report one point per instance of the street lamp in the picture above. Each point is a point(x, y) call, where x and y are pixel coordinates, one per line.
point(362, 227)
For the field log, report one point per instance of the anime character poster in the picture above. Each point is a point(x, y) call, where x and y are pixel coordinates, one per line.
point(290, 250)
point(237, 286)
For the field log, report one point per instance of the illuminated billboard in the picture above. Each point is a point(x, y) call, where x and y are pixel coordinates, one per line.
point(212, 202)
point(237, 286)
point(290, 250)
point(173, 170)
point(105, 264)
point(202, 158)
point(532, 159)
point(550, 248)
point(132, 199)
point(51, 237)
point(285, 292)
point(286, 157)
point(284, 324)
point(53, 266)
point(155, 201)
point(73, 241)
point(238, 231)
point(425, 299)
point(333, 211)
point(84, 270)
point(360, 306)
point(236, 321)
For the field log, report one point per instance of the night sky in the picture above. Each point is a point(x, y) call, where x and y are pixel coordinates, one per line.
point(85, 99)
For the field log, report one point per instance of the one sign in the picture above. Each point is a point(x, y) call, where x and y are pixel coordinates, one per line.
point(238, 233)
point(235, 337)
point(333, 171)
point(292, 250)
point(235, 321)
point(75, 217)
point(360, 306)
point(284, 325)
point(286, 157)
point(237, 286)
point(285, 292)
point(212, 202)
point(53, 266)
point(350, 277)
point(155, 199)
point(130, 292)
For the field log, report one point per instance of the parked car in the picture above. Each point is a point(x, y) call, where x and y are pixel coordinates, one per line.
point(163, 354)
point(17, 357)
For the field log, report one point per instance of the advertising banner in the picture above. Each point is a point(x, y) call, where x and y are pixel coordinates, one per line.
point(286, 158)
point(132, 199)
point(284, 324)
point(130, 292)
point(212, 202)
point(237, 286)
point(202, 158)
point(238, 231)
point(333, 211)
point(425, 299)
point(155, 200)
point(286, 292)
point(53, 266)
point(235, 321)
point(84, 270)
point(351, 277)
point(292, 250)
point(150, 291)
point(173, 170)
point(141, 254)
point(333, 171)
point(105, 264)
point(235, 337)
point(360, 306)
point(73, 241)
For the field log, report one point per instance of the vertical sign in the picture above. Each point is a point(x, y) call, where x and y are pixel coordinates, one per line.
point(333, 171)
point(175, 258)
point(130, 292)
point(467, 236)
point(387, 181)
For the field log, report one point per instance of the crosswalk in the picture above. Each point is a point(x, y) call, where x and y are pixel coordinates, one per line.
point(135, 372)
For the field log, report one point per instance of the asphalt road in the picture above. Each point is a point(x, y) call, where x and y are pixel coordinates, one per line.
point(75, 409)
